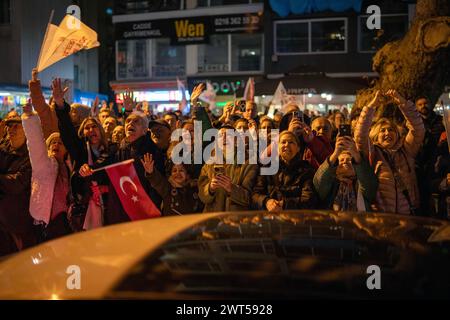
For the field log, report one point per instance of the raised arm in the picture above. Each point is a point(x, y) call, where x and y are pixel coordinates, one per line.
point(364, 123)
point(35, 140)
point(414, 123)
point(69, 135)
point(48, 117)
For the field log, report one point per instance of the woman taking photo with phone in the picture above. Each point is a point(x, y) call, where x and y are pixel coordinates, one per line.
point(230, 188)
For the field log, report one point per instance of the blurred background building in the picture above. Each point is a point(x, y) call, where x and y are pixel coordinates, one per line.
point(321, 50)
point(321, 53)
point(22, 29)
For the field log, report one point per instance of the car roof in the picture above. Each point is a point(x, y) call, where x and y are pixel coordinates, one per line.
point(232, 254)
point(103, 255)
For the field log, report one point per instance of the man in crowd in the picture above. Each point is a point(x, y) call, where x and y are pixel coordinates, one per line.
point(15, 184)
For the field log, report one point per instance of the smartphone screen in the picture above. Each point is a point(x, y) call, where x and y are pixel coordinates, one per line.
point(219, 170)
point(345, 130)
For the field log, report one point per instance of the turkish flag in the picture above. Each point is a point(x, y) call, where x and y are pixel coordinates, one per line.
point(135, 201)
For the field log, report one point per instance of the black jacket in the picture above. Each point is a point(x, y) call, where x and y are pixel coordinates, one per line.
point(15, 190)
point(293, 183)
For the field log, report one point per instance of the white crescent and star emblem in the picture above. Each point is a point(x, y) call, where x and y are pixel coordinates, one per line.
point(128, 179)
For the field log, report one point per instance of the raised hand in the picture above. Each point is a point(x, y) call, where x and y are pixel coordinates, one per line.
point(350, 146)
point(396, 97)
point(224, 182)
point(95, 103)
point(128, 101)
point(376, 100)
point(58, 92)
point(339, 147)
point(148, 163)
point(34, 74)
point(196, 93)
point(94, 107)
point(295, 126)
point(28, 108)
point(305, 131)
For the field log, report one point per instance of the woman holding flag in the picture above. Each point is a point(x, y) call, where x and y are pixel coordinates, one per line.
point(87, 146)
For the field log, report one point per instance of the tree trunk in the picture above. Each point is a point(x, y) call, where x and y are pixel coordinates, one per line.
point(419, 64)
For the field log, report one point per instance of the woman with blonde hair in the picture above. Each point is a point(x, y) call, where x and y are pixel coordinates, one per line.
point(391, 156)
point(292, 186)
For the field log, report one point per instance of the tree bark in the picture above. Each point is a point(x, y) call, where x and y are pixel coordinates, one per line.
point(417, 65)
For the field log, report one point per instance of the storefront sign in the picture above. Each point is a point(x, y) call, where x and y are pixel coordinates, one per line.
point(300, 91)
point(192, 30)
point(222, 86)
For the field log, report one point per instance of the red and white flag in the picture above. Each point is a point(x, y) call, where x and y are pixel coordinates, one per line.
point(182, 88)
point(249, 92)
point(135, 201)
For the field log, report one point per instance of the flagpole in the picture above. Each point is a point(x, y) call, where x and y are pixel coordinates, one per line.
point(114, 165)
point(45, 36)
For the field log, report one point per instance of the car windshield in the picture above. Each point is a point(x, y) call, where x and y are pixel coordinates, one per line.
point(294, 255)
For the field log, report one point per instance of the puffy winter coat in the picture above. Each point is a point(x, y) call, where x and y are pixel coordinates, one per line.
point(390, 196)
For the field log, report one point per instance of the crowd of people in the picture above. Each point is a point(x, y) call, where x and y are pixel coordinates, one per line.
point(362, 161)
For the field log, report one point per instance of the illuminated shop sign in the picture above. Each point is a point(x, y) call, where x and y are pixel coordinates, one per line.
point(221, 86)
point(192, 30)
point(150, 96)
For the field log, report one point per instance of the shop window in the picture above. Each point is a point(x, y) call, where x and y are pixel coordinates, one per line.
point(310, 36)
point(328, 36)
point(213, 57)
point(393, 27)
point(133, 59)
point(168, 61)
point(246, 52)
point(291, 37)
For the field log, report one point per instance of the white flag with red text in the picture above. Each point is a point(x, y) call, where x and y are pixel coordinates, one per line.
point(64, 40)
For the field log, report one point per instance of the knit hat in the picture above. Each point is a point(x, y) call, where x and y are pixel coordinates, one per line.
point(54, 135)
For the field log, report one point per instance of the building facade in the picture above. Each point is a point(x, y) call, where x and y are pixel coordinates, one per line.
point(190, 40)
point(321, 56)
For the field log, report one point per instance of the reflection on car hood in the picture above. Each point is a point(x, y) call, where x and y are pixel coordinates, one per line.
point(296, 254)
